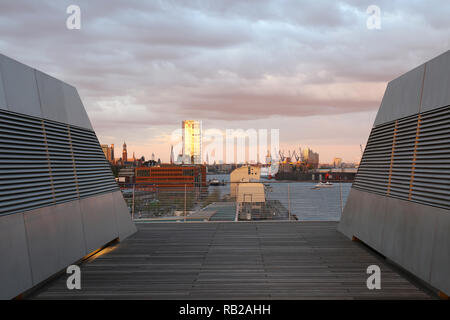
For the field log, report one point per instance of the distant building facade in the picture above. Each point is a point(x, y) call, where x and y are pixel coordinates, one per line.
point(337, 162)
point(192, 141)
point(243, 174)
point(172, 176)
point(310, 157)
point(124, 153)
point(109, 152)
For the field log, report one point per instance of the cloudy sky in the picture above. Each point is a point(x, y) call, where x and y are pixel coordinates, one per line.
point(310, 68)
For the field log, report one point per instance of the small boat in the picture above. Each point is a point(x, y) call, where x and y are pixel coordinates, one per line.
point(321, 184)
point(214, 182)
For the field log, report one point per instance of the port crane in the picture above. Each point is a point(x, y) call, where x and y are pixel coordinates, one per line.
point(296, 156)
point(282, 157)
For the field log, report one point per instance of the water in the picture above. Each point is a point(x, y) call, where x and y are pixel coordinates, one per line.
point(307, 204)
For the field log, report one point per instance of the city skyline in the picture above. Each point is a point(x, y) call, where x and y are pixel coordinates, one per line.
point(317, 75)
point(223, 150)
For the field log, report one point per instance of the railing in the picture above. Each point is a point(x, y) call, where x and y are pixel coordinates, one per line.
point(221, 200)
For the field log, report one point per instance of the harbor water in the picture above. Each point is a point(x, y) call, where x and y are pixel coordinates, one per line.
point(306, 203)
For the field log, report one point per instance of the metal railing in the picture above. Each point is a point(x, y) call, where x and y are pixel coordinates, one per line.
point(225, 201)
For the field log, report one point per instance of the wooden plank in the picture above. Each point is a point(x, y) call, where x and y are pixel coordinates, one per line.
point(249, 260)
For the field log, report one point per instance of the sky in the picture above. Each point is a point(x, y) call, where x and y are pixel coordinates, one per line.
point(312, 69)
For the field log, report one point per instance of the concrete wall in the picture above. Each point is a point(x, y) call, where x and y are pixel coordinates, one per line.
point(35, 244)
point(415, 236)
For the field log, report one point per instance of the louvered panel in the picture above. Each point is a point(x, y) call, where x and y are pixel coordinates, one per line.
point(61, 161)
point(431, 184)
point(25, 180)
point(373, 172)
point(420, 162)
point(403, 158)
point(93, 171)
point(44, 162)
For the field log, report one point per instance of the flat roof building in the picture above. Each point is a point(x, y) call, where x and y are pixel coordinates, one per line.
point(172, 176)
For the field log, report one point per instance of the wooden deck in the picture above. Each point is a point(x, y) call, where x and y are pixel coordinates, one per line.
point(254, 260)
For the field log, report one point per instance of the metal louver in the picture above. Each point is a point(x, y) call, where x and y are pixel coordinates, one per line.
point(44, 162)
point(409, 159)
point(373, 172)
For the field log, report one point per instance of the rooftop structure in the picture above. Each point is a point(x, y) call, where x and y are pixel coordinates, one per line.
point(400, 201)
point(243, 174)
point(58, 198)
point(172, 176)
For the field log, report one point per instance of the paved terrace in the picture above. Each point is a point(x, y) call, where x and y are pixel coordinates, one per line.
point(254, 260)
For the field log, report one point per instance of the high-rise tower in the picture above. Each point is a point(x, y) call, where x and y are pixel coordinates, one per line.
point(192, 140)
point(124, 153)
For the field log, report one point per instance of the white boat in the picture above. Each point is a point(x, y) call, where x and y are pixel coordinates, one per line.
point(269, 172)
point(321, 184)
point(214, 182)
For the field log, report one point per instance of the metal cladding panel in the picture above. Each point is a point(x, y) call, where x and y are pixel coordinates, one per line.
point(125, 225)
point(76, 114)
point(402, 97)
point(58, 196)
point(440, 265)
point(409, 235)
point(404, 172)
point(364, 226)
point(99, 220)
point(2, 93)
point(52, 97)
point(15, 270)
point(19, 84)
point(436, 90)
point(412, 235)
point(55, 238)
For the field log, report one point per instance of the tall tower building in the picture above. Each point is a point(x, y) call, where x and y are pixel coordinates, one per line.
point(112, 154)
point(109, 152)
point(124, 153)
point(192, 140)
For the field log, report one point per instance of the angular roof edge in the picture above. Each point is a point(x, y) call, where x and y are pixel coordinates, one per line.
point(29, 91)
point(421, 89)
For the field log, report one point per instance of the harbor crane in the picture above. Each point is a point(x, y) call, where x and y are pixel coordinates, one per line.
point(282, 157)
